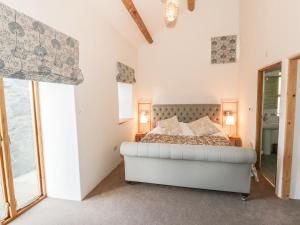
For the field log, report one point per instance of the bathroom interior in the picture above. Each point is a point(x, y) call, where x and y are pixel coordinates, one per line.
point(270, 126)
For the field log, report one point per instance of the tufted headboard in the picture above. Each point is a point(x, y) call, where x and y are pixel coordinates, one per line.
point(187, 113)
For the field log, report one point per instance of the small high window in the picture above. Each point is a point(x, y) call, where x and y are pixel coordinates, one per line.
point(125, 97)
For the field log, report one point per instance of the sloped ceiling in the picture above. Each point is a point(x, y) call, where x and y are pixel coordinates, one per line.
point(116, 14)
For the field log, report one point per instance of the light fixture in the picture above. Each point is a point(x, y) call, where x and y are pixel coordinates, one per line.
point(230, 120)
point(230, 116)
point(144, 122)
point(144, 118)
point(171, 11)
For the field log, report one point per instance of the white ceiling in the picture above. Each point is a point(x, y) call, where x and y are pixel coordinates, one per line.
point(117, 15)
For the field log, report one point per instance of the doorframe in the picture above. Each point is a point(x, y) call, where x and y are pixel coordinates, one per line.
point(5, 157)
point(259, 109)
point(289, 121)
point(6, 160)
point(289, 125)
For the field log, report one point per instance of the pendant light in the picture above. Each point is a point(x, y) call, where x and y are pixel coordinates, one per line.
point(171, 11)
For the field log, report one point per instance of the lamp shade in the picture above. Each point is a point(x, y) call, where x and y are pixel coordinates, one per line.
point(171, 10)
point(230, 120)
point(143, 119)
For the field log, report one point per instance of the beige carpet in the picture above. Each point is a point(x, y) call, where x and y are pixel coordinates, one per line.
point(114, 202)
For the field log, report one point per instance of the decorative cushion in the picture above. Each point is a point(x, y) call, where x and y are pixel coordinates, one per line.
point(186, 131)
point(203, 127)
point(221, 132)
point(170, 126)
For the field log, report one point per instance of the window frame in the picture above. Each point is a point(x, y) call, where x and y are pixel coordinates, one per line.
point(5, 156)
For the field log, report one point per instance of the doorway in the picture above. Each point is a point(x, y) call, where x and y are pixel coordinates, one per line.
point(290, 115)
point(268, 115)
point(270, 123)
point(21, 162)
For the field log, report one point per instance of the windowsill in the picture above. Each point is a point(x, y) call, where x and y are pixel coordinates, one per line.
point(122, 121)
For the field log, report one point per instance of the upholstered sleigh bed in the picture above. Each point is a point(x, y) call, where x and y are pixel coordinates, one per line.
point(221, 168)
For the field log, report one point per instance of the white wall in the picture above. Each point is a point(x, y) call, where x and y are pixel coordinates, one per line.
point(96, 99)
point(58, 119)
point(269, 31)
point(176, 68)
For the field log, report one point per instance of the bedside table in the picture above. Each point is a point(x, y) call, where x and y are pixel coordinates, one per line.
point(139, 136)
point(236, 141)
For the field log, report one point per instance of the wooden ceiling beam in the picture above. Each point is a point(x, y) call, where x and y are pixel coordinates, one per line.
point(191, 5)
point(137, 19)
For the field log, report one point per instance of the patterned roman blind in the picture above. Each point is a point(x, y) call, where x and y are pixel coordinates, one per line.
point(125, 74)
point(31, 50)
point(224, 49)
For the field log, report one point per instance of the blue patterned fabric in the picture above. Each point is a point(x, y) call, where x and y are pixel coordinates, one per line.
point(31, 50)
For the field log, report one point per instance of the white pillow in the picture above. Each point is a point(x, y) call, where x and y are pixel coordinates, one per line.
point(221, 132)
point(186, 131)
point(170, 126)
point(219, 126)
point(203, 127)
point(156, 130)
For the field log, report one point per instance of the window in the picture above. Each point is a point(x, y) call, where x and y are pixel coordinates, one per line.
point(22, 178)
point(125, 97)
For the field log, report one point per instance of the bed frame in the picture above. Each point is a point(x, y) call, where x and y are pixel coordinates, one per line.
point(204, 167)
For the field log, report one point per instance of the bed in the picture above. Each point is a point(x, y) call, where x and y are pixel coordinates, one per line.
point(203, 166)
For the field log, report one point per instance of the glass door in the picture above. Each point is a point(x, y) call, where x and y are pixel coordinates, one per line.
point(22, 148)
point(270, 123)
point(21, 131)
